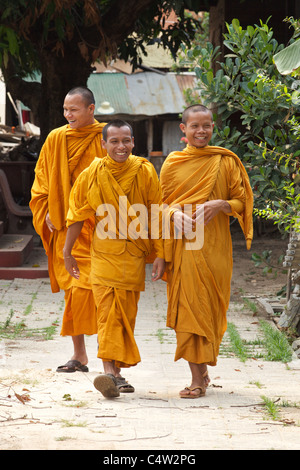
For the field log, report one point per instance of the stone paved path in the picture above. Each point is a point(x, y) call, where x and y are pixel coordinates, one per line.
point(41, 409)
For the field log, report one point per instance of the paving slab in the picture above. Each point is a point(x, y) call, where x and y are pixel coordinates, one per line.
point(41, 409)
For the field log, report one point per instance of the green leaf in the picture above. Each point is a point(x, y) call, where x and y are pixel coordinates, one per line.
point(288, 59)
point(250, 30)
point(210, 77)
point(236, 24)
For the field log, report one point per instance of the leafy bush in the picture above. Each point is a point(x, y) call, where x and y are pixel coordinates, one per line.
point(257, 115)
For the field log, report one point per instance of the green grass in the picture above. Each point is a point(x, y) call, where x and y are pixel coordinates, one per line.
point(10, 330)
point(272, 346)
point(238, 346)
point(271, 408)
point(276, 343)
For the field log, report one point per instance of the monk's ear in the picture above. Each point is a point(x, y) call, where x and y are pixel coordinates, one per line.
point(182, 127)
point(103, 143)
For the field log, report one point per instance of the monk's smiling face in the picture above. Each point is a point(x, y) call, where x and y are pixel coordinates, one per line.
point(77, 112)
point(119, 143)
point(198, 128)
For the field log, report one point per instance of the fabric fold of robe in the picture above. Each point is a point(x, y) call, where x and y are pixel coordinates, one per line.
point(199, 279)
point(65, 153)
point(121, 197)
point(116, 316)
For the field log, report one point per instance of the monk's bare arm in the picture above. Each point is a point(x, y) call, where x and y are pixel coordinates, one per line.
point(70, 262)
point(211, 209)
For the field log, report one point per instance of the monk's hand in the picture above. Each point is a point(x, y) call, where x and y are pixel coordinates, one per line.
point(71, 266)
point(49, 224)
point(158, 269)
point(212, 208)
point(183, 222)
point(198, 215)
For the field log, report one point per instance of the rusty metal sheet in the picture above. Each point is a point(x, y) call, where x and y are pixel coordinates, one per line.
point(153, 94)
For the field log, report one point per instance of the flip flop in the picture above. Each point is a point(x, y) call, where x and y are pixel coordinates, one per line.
point(107, 385)
point(123, 385)
point(72, 366)
point(201, 392)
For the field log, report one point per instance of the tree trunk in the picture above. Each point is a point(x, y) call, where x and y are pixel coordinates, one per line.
point(59, 75)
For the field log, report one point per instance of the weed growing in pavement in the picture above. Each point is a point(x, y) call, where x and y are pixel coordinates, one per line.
point(257, 383)
point(272, 346)
point(276, 343)
point(251, 305)
point(68, 424)
point(238, 345)
point(271, 407)
point(10, 330)
point(274, 410)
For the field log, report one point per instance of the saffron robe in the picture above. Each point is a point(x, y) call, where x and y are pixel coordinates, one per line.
point(65, 153)
point(121, 243)
point(198, 280)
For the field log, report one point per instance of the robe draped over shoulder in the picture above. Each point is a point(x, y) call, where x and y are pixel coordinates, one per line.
point(65, 153)
point(121, 196)
point(100, 187)
point(199, 279)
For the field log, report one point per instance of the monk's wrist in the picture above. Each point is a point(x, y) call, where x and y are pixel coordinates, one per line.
point(226, 207)
point(67, 255)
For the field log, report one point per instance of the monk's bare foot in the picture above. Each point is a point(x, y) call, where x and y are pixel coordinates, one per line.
point(82, 358)
point(206, 378)
point(80, 353)
point(200, 381)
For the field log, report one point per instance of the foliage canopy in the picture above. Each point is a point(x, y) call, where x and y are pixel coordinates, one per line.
point(257, 115)
point(62, 39)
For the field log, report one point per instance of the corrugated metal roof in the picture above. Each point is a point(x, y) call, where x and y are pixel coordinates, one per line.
point(110, 87)
point(140, 94)
point(153, 93)
point(185, 80)
point(145, 93)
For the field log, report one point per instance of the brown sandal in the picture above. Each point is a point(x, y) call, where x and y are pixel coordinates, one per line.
point(192, 389)
point(107, 385)
point(202, 390)
point(123, 385)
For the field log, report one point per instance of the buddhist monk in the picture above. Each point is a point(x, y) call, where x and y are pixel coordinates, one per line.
point(66, 152)
point(213, 182)
point(120, 191)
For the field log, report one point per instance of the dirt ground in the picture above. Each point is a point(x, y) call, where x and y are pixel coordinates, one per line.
point(249, 279)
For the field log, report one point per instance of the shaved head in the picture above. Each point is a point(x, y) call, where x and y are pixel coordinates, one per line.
point(195, 108)
point(85, 93)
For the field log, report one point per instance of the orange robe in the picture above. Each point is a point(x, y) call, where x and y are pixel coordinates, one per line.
point(198, 280)
point(118, 258)
point(65, 153)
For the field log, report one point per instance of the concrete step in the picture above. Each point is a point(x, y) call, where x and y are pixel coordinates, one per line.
point(34, 267)
point(14, 249)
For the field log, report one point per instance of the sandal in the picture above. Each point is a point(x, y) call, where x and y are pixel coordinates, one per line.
point(123, 385)
point(72, 366)
point(201, 389)
point(201, 392)
point(107, 385)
